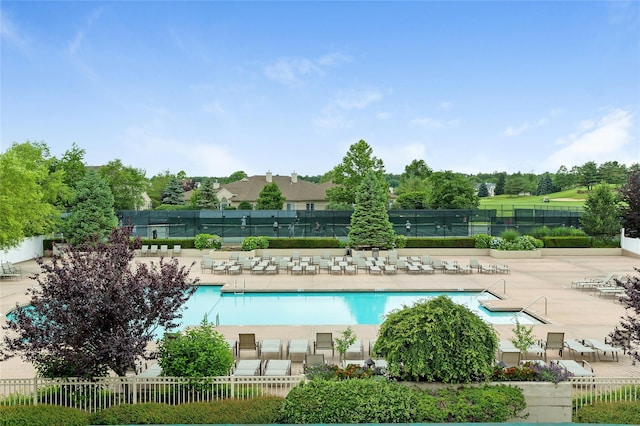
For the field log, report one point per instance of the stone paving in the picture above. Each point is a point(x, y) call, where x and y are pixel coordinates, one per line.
point(544, 284)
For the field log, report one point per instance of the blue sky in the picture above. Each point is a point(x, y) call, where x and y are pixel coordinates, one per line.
point(214, 87)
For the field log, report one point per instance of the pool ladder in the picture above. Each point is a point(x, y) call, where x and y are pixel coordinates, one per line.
point(235, 287)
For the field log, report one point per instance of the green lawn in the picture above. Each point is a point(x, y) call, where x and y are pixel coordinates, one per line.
point(566, 199)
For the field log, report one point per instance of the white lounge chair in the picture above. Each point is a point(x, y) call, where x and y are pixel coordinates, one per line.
point(248, 367)
point(164, 250)
point(271, 349)
point(298, 348)
point(277, 367)
point(576, 369)
point(603, 348)
point(177, 250)
point(355, 351)
point(576, 347)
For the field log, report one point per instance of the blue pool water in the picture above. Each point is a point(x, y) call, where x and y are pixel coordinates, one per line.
point(322, 308)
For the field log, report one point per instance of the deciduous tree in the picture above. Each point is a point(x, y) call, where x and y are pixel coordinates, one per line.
point(627, 333)
point(370, 225)
point(630, 207)
point(92, 213)
point(270, 198)
point(127, 184)
point(348, 175)
point(448, 190)
point(94, 310)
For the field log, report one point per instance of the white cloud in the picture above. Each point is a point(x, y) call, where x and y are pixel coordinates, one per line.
point(358, 99)
point(215, 108)
point(290, 72)
point(445, 106)
point(606, 139)
point(11, 33)
point(384, 115)
point(428, 122)
point(516, 130)
point(76, 42)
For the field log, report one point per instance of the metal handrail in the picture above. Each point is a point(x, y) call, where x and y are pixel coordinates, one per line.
point(534, 301)
point(504, 286)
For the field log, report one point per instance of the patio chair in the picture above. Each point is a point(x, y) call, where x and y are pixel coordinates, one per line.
point(554, 341)
point(271, 349)
point(503, 269)
point(510, 358)
point(153, 250)
point(206, 263)
point(177, 250)
point(277, 367)
point(576, 369)
point(602, 347)
point(589, 283)
point(248, 367)
point(437, 264)
point(312, 360)
point(247, 342)
point(233, 345)
point(297, 349)
point(576, 347)
point(8, 270)
point(355, 351)
point(324, 341)
point(474, 264)
point(144, 250)
point(164, 250)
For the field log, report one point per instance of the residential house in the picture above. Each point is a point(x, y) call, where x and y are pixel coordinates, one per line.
point(298, 194)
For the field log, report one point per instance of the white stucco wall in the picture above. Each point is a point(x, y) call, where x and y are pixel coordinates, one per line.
point(29, 249)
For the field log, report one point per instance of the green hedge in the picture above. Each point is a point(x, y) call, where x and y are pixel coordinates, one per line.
point(609, 413)
point(263, 410)
point(456, 242)
point(379, 401)
point(567, 242)
point(42, 415)
point(285, 243)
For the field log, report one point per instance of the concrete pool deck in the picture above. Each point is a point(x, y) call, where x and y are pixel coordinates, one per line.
point(544, 284)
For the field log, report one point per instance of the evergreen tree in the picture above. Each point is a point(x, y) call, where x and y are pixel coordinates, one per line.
point(601, 213)
point(174, 193)
point(545, 186)
point(207, 198)
point(483, 191)
point(370, 225)
point(588, 174)
point(630, 209)
point(92, 213)
point(270, 198)
point(499, 189)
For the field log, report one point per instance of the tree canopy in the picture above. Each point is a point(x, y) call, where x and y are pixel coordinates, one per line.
point(173, 193)
point(448, 190)
point(127, 184)
point(627, 333)
point(270, 198)
point(29, 192)
point(92, 212)
point(370, 225)
point(630, 208)
point(348, 175)
point(94, 311)
point(437, 340)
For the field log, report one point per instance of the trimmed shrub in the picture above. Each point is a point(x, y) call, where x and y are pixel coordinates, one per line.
point(252, 243)
point(438, 341)
point(351, 401)
point(510, 235)
point(262, 410)
point(623, 412)
point(482, 241)
point(568, 242)
point(207, 241)
point(304, 243)
point(42, 415)
point(453, 242)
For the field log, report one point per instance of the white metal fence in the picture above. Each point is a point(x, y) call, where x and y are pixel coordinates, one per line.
point(589, 390)
point(109, 391)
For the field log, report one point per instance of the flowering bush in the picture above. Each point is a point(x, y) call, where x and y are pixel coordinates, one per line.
point(482, 241)
point(252, 243)
point(525, 242)
point(334, 372)
point(531, 372)
point(207, 241)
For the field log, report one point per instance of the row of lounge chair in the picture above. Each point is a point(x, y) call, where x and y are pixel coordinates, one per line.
point(160, 250)
point(607, 286)
point(338, 265)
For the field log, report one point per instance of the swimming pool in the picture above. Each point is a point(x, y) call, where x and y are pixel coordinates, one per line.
point(323, 308)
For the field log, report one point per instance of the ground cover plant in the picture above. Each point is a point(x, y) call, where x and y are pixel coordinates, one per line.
point(621, 413)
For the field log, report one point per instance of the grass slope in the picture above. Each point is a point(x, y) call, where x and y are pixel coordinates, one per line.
point(572, 198)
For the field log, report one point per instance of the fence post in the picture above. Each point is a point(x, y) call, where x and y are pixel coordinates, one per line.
point(134, 390)
point(233, 385)
point(35, 390)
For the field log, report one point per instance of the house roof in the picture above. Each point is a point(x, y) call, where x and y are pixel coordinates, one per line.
point(292, 188)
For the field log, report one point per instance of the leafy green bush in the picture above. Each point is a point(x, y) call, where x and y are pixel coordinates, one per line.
point(627, 412)
point(510, 235)
point(199, 352)
point(207, 241)
point(558, 231)
point(525, 242)
point(253, 243)
point(449, 242)
point(482, 241)
point(400, 241)
point(42, 415)
point(474, 404)
point(605, 242)
point(262, 410)
point(303, 243)
point(351, 401)
point(437, 340)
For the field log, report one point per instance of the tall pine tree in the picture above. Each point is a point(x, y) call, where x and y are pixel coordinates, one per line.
point(370, 225)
